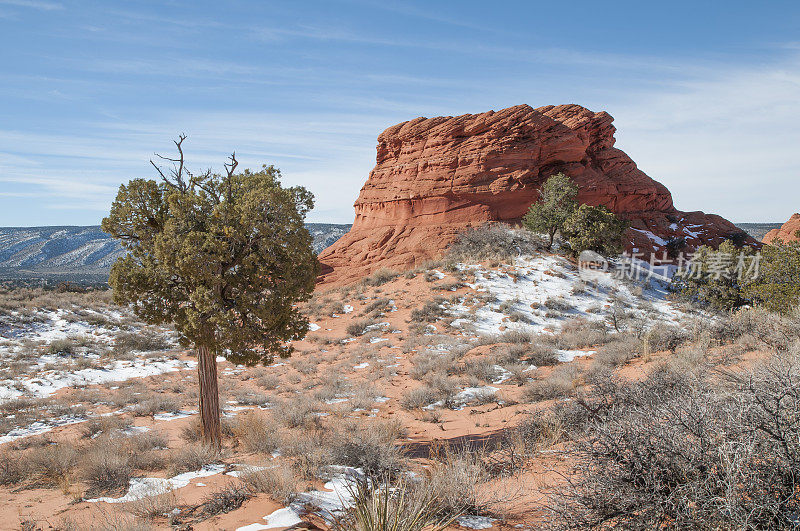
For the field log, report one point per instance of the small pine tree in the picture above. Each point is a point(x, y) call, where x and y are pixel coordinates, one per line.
point(555, 205)
point(594, 228)
point(224, 258)
point(777, 286)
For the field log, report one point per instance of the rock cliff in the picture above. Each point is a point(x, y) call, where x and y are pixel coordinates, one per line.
point(435, 176)
point(787, 233)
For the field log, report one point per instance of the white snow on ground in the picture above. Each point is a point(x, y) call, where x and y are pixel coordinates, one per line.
point(569, 355)
point(46, 383)
point(174, 416)
point(476, 522)
point(655, 239)
point(142, 487)
point(329, 502)
point(531, 283)
point(50, 372)
point(347, 308)
point(38, 428)
point(313, 327)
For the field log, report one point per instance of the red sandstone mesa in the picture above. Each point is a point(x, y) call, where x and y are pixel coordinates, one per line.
point(435, 176)
point(787, 233)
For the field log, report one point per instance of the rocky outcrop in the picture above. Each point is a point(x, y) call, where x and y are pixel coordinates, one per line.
point(435, 176)
point(787, 233)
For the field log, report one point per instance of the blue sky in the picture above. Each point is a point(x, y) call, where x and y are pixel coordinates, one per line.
point(705, 95)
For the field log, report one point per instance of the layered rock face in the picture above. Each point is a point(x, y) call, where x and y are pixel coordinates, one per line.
point(787, 233)
point(436, 176)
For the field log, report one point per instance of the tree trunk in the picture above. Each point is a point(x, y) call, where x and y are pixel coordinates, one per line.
point(209, 397)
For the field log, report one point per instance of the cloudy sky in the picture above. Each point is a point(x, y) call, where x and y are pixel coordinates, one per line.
point(706, 99)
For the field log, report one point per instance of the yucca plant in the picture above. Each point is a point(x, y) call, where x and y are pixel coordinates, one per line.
point(385, 508)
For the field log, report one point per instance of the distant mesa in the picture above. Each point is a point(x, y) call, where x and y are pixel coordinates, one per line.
point(85, 254)
point(436, 176)
point(787, 233)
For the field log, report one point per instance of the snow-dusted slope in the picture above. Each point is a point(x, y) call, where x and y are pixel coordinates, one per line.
point(88, 250)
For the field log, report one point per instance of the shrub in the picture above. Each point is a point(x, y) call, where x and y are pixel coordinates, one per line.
point(139, 341)
point(358, 328)
point(419, 397)
point(51, 465)
point(714, 278)
point(777, 286)
point(279, 482)
point(380, 277)
point(255, 432)
point(495, 241)
point(226, 499)
point(191, 457)
point(431, 312)
point(106, 467)
point(155, 405)
point(383, 507)
point(594, 228)
point(558, 384)
point(683, 452)
point(370, 447)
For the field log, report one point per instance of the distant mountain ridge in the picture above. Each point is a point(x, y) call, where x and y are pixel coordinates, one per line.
point(33, 252)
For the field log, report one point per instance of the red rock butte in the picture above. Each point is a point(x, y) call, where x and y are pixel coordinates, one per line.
point(434, 177)
point(787, 233)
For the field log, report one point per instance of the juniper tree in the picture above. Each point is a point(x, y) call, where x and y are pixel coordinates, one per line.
point(222, 257)
point(776, 284)
point(555, 205)
point(594, 228)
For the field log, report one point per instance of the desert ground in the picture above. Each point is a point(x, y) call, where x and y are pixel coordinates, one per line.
point(462, 375)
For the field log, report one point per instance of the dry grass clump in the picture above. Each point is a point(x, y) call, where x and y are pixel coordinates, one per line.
point(224, 500)
point(359, 327)
point(618, 352)
point(456, 482)
point(434, 362)
point(492, 241)
point(191, 457)
point(69, 346)
point(419, 397)
point(369, 446)
point(139, 341)
point(52, 465)
point(582, 333)
point(380, 277)
point(106, 467)
point(270, 382)
point(248, 397)
point(104, 425)
point(431, 311)
point(279, 482)
point(301, 411)
point(156, 505)
point(255, 432)
point(156, 404)
point(560, 383)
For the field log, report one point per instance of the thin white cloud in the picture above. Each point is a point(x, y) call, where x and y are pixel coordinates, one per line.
point(724, 141)
point(34, 4)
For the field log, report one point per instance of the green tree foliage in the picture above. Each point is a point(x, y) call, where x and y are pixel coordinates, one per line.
point(777, 286)
point(224, 258)
point(555, 205)
point(594, 228)
point(715, 278)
